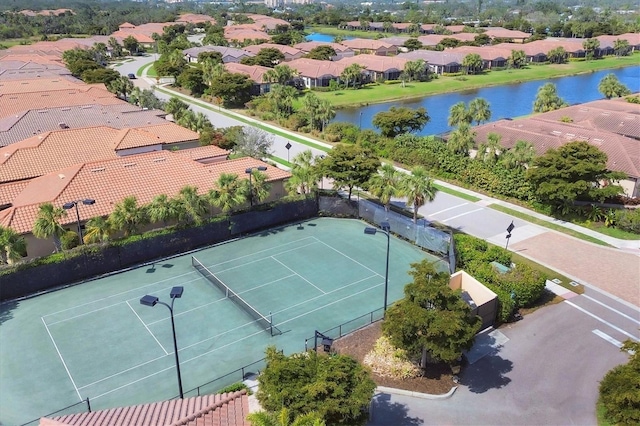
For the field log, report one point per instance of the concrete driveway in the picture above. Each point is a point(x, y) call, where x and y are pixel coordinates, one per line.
point(547, 373)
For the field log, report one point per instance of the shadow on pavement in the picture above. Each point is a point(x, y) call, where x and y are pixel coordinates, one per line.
point(487, 373)
point(6, 312)
point(384, 412)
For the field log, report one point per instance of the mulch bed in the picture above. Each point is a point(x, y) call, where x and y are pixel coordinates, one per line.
point(437, 378)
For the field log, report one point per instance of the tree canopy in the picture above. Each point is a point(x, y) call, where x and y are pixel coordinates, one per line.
point(611, 87)
point(336, 387)
point(620, 389)
point(399, 120)
point(547, 99)
point(350, 166)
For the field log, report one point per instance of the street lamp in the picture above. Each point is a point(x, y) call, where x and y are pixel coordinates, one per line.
point(385, 229)
point(249, 171)
point(176, 293)
point(72, 204)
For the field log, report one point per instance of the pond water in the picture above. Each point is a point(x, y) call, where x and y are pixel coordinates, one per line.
point(508, 101)
point(325, 38)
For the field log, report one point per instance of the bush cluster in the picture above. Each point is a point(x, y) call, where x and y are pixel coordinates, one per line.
point(628, 220)
point(522, 286)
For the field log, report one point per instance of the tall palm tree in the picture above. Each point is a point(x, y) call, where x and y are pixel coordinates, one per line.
point(459, 114)
point(12, 246)
point(418, 188)
point(97, 229)
point(127, 216)
point(191, 206)
point(490, 152)
point(385, 184)
point(326, 112)
point(228, 192)
point(280, 74)
point(461, 140)
point(479, 110)
point(162, 209)
point(310, 104)
point(520, 156)
point(47, 224)
point(304, 173)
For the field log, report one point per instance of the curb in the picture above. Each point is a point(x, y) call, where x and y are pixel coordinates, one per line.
point(382, 389)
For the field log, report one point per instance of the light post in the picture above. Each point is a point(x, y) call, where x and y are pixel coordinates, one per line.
point(72, 204)
point(249, 171)
point(385, 229)
point(288, 146)
point(509, 229)
point(176, 293)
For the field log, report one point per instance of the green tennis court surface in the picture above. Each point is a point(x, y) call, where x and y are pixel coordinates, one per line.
point(96, 340)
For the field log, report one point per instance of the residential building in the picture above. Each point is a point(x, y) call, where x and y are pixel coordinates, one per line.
point(443, 62)
point(256, 74)
point(229, 54)
point(377, 68)
point(369, 46)
point(341, 50)
point(290, 53)
point(316, 73)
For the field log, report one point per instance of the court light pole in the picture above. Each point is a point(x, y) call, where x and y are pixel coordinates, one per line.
point(385, 228)
point(176, 293)
point(249, 171)
point(72, 204)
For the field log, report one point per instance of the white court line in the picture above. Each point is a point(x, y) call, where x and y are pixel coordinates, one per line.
point(350, 258)
point(106, 307)
point(257, 260)
point(602, 320)
point(608, 338)
point(145, 326)
point(460, 215)
point(303, 278)
point(229, 344)
point(447, 209)
point(622, 314)
point(259, 251)
point(61, 359)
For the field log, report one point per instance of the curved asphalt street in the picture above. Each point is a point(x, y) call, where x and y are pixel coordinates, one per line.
point(546, 368)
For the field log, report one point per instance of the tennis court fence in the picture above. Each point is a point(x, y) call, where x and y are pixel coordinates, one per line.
point(266, 323)
point(349, 326)
point(71, 409)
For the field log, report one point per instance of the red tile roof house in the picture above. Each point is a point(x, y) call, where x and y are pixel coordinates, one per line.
point(229, 54)
point(377, 68)
point(239, 36)
point(573, 47)
point(632, 38)
point(342, 51)
point(229, 409)
point(290, 53)
point(363, 45)
point(533, 52)
point(503, 33)
point(110, 181)
point(492, 57)
point(194, 18)
point(316, 73)
point(623, 153)
point(267, 23)
point(256, 74)
point(438, 62)
point(142, 33)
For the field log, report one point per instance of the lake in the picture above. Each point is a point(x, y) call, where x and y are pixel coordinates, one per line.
point(508, 101)
point(325, 38)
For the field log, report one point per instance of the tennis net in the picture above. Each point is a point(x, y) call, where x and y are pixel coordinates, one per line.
point(265, 322)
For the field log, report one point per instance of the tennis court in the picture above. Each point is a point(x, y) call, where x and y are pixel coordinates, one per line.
point(96, 340)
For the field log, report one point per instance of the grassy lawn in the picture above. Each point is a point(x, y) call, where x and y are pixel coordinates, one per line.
point(549, 225)
point(376, 93)
point(333, 31)
point(611, 232)
point(151, 71)
point(458, 194)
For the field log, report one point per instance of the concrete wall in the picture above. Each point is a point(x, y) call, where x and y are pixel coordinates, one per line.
point(485, 300)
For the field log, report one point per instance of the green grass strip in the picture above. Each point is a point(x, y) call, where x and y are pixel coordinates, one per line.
point(544, 223)
point(279, 161)
point(246, 121)
point(459, 194)
point(142, 68)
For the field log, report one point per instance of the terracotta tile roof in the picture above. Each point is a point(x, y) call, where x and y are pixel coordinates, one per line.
point(195, 18)
point(365, 43)
point(530, 49)
point(308, 46)
point(40, 84)
point(55, 150)
point(267, 22)
point(25, 124)
point(498, 32)
point(286, 50)
point(229, 409)
point(623, 153)
point(229, 54)
point(487, 53)
point(110, 181)
point(209, 152)
point(255, 72)
point(568, 44)
point(35, 57)
point(401, 26)
point(632, 38)
point(313, 68)
point(455, 28)
point(375, 63)
point(9, 191)
point(242, 35)
point(434, 39)
point(434, 57)
point(82, 95)
point(395, 41)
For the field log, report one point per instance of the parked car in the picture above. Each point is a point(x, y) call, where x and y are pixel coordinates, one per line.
point(131, 76)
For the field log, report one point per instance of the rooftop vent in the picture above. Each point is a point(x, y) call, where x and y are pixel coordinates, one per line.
point(129, 164)
point(63, 125)
point(158, 160)
point(61, 176)
point(98, 169)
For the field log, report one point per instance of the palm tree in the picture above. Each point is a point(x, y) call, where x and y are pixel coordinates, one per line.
point(547, 99)
point(520, 156)
point(121, 86)
point(175, 106)
point(326, 112)
point(352, 73)
point(611, 87)
point(304, 174)
point(418, 188)
point(458, 114)
point(127, 216)
point(310, 105)
point(461, 140)
point(479, 110)
point(283, 418)
point(260, 188)
point(280, 74)
point(490, 152)
point(228, 192)
point(97, 229)
point(12, 246)
point(282, 97)
point(162, 209)
point(47, 224)
point(190, 206)
point(385, 184)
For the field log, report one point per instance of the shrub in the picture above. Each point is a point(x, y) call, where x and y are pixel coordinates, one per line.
point(392, 82)
point(69, 240)
point(525, 283)
point(235, 387)
point(628, 220)
point(620, 389)
point(388, 361)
